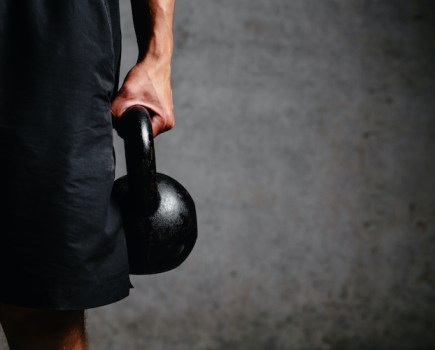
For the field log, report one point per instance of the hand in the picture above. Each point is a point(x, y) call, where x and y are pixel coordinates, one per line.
point(148, 83)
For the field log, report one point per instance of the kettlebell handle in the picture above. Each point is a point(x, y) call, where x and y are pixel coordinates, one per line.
point(135, 129)
point(159, 215)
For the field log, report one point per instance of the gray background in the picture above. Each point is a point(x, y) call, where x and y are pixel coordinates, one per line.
point(306, 134)
point(305, 131)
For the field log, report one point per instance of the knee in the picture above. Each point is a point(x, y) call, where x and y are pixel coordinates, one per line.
point(32, 326)
point(34, 318)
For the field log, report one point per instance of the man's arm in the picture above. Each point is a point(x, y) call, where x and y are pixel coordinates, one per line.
point(149, 82)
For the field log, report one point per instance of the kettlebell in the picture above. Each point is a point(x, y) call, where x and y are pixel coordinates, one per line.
point(158, 213)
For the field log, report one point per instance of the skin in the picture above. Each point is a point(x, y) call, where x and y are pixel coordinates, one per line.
point(147, 83)
point(27, 329)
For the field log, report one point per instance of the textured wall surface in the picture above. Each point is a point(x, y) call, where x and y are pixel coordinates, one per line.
point(306, 134)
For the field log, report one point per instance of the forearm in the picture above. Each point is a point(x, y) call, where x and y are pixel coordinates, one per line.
point(153, 26)
point(148, 83)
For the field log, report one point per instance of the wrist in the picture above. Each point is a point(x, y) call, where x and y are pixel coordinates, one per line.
point(159, 48)
point(154, 31)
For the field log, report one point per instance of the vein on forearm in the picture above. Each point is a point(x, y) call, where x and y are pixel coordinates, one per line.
point(153, 26)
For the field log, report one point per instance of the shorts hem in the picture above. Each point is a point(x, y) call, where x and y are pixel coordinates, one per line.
point(66, 298)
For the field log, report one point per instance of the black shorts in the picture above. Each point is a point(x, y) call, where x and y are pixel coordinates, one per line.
point(62, 245)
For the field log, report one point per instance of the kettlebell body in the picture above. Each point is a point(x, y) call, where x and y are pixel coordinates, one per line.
point(159, 215)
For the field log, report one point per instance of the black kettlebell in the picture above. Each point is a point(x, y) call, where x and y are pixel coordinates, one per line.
point(159, 215)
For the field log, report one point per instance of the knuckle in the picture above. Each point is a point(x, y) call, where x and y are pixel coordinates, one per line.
point(170, 124)
point(169, 121)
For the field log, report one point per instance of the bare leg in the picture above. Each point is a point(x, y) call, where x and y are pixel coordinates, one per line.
point(30, 329)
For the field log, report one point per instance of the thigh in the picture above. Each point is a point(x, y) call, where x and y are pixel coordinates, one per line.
point(61, 240)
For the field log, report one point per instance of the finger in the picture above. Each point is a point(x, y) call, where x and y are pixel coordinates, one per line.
point(160, 124)
point(119, 105)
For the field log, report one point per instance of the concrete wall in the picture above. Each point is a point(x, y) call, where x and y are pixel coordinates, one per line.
point(306, 134)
